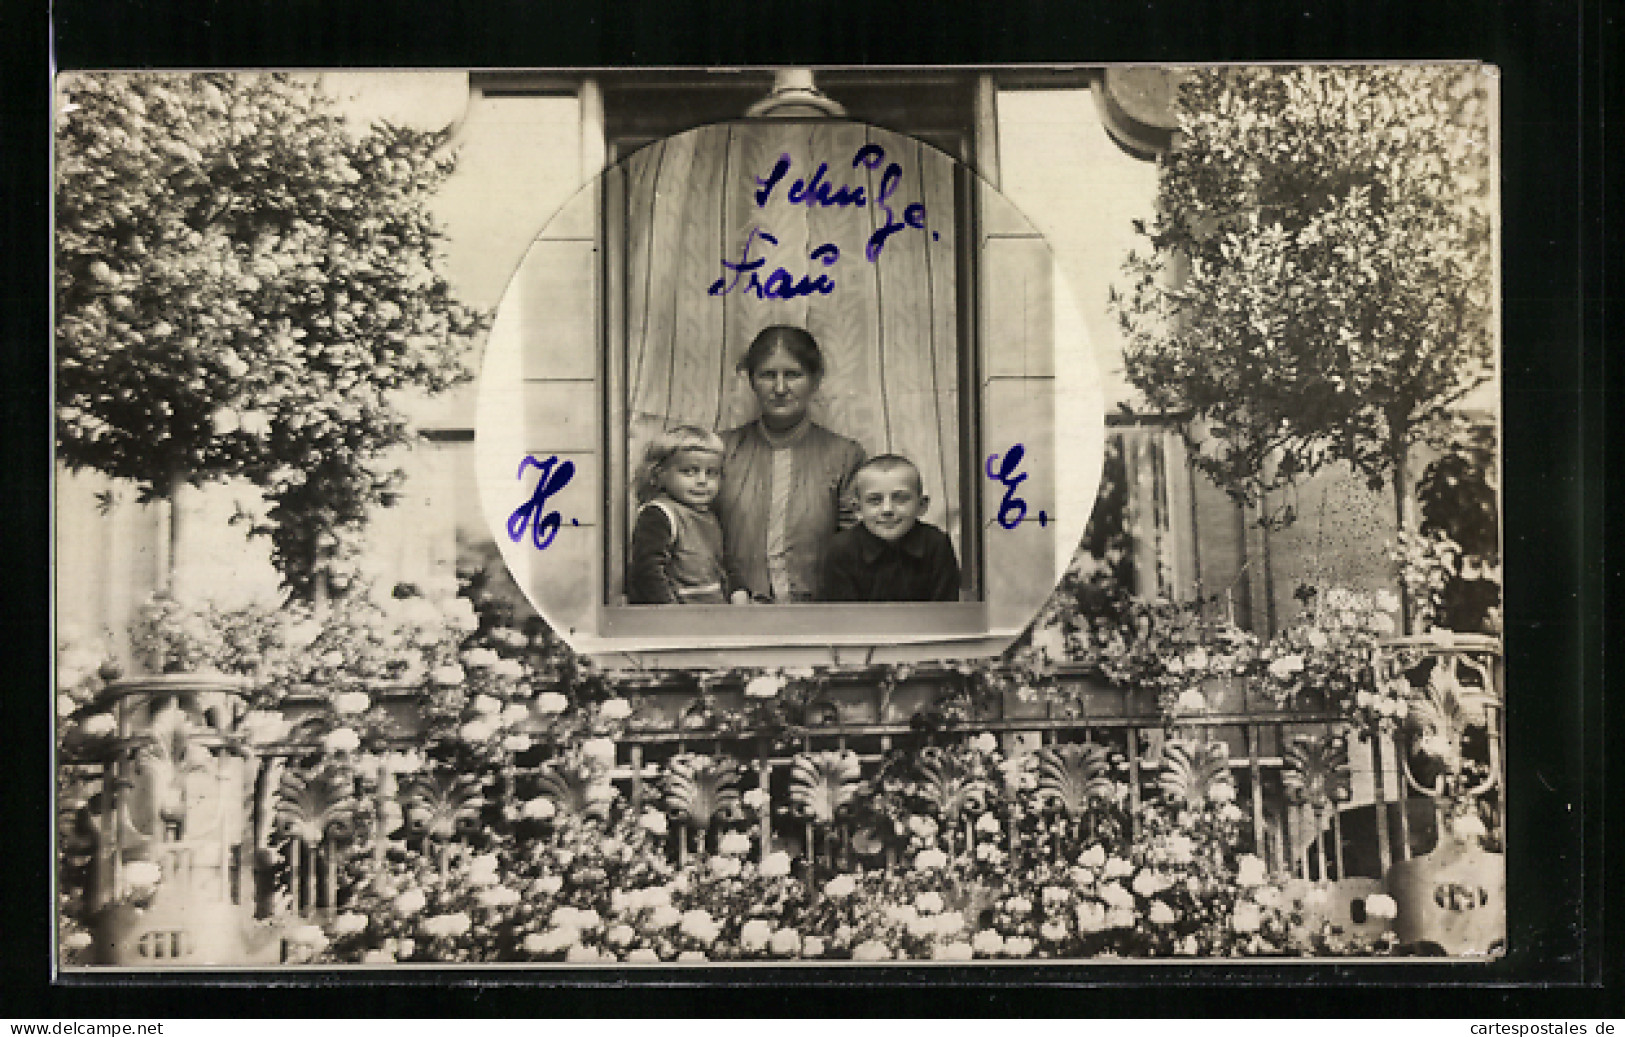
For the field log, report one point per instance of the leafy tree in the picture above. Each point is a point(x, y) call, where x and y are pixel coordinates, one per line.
point(1319, 284)
point(244, 288)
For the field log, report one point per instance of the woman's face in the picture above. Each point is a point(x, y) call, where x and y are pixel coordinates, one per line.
point(783, 389)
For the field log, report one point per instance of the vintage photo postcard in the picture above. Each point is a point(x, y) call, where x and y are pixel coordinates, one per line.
point(656, 519)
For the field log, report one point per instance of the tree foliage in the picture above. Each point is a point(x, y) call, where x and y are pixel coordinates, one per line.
point(1319, 283)
point(244, 288)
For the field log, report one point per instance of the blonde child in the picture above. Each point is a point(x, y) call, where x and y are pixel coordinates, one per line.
point(677, 556)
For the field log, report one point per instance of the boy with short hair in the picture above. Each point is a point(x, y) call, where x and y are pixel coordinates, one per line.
point(890, 555)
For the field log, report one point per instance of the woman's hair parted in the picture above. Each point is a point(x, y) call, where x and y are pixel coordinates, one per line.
point(798, 342)
point(663, 447)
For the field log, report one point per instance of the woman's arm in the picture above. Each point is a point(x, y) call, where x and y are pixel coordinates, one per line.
point(648, 570)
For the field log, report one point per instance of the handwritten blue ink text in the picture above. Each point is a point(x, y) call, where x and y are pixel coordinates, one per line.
point(553, 478)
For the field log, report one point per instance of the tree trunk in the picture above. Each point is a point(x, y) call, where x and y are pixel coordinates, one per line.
point(1405, 516)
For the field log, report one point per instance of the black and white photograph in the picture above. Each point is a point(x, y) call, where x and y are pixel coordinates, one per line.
point(677, 521)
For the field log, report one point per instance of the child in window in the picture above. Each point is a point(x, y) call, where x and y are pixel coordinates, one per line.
point(676, 556)
point(890, 555)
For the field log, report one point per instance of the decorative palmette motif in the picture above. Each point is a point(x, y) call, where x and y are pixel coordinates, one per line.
point(1069, 776)
point(950, 785)
point(1439, 719)
point(317, 806)
point(442, 806)
point(576, 791)
point(1315, 771)
point(823, 786)
point(701, 788)
point(1194, 771)
point(164, 764)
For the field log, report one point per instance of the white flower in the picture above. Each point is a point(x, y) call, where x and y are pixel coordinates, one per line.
point(1116, 896)
point(734, 844)
point(483, 870)
point(642, 956)
point(724, 867)
point(517, 743)
point(352, 702)
point(840, 887)
point(950, 923)
point(1267, 896)
point(542, 943)
point(1180, 848)
point(378, 956)
point(653, 822)
point(664, 916)
point(756, 799)
point(404, 948)
point(97, 725)
point(1381, 905)
point(307, 936)
point(1160, 913)
point(901, 914)
point(447, 676)
point(509, 669)
point(615, 709)
point(986, 742)
point(497, 896)
point(410, 902)
point(755, 934)
point(584, 954)
point(1196, 659)
point(774, 865)
point(988, 824)
point(349, 923)
point(76, 941)
point(871, 950)
point(1146, 883)
point(1467, 827)
point(698, 925)
point(691, 957)
point(765, 686)
point(1247, 917)
point(1222, 791)
point(143, 875)
point(620, 935)
point(1387, 601)
point(486, 705)
point(987, 943)
point(930, 860)
point(923, 827)
point(1091, 916)
point(1019, 907)
point(600, 750)
point(922, 926)
point(1053, 931)
point(341, 740)
point(1118, 868)
point(1285, 666)
point(1251, 871)
point(547, 885)
point(550, 702)
point(1317, 639)
point(477, 730)
point(1093, 857)
point(454, 924)
point(928, 903)
point(959, 950)
point(480, 658)
point(1120, 918)
point(1191, 700)
point(812, 947)
point(1018, 946)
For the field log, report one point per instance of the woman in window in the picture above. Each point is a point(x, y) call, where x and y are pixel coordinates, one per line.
point(785, 478)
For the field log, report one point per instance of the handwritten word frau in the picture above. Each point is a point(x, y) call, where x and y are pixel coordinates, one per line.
point(543, 528)
point(817, 192)
point(780, 284)
point(1012, 509)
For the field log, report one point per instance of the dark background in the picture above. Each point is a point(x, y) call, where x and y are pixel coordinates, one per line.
point(1562, 963)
